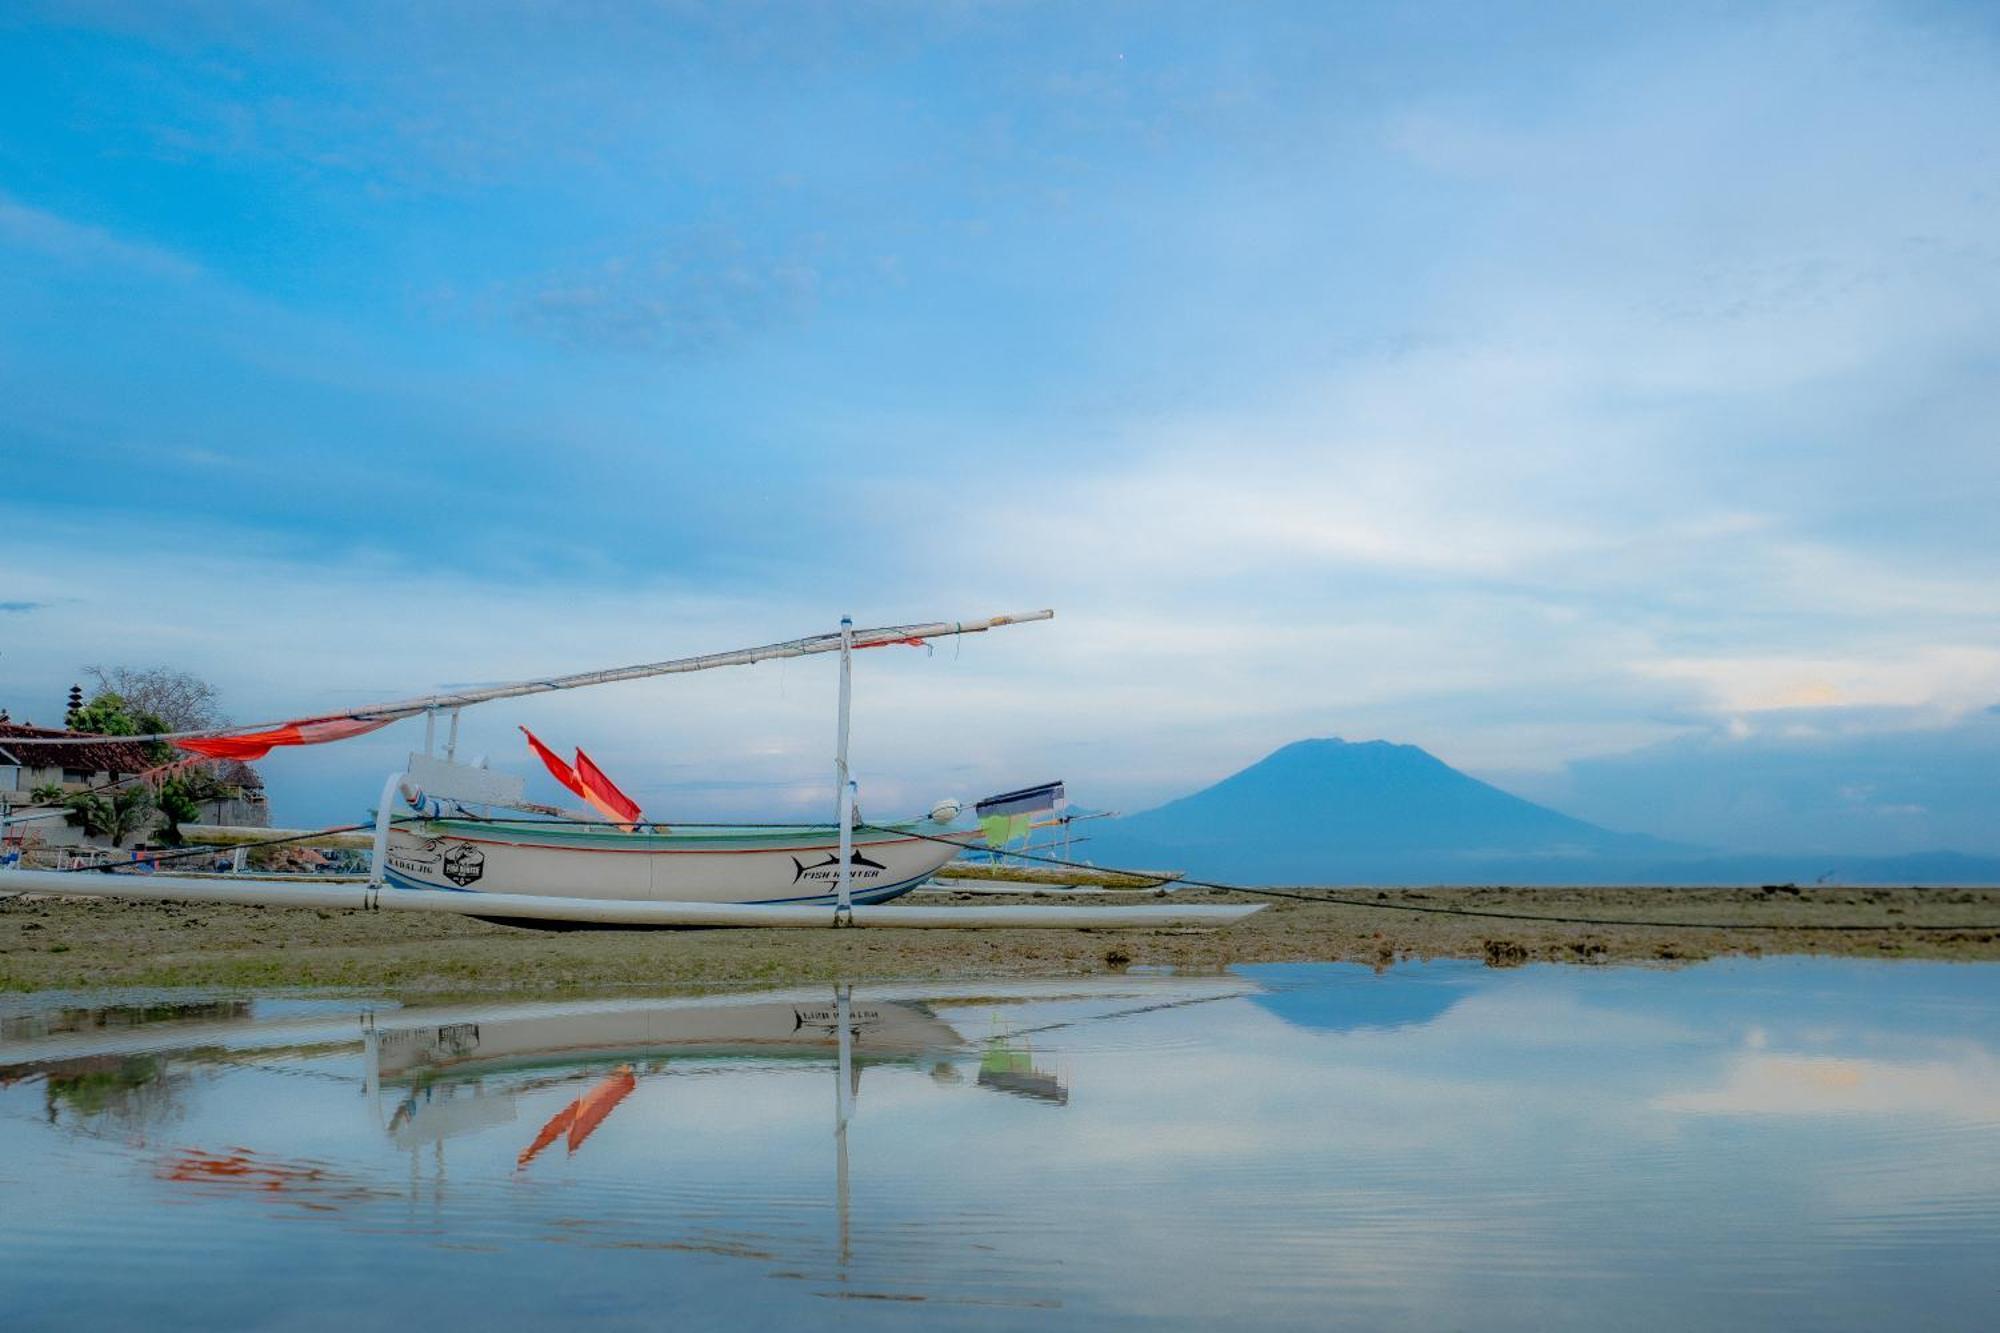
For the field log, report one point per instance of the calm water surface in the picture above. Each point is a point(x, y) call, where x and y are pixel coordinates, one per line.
point(1748, 1144)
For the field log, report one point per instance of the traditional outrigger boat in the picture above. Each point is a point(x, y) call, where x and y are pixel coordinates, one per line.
point(439, 847)
point(791, 865)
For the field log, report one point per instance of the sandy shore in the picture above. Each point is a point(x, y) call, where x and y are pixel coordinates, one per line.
point(48, 943)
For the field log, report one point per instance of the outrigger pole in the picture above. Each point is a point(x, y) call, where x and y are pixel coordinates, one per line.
point(608, 911)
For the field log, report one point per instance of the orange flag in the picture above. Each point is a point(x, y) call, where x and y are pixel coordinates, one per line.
point(256, 744)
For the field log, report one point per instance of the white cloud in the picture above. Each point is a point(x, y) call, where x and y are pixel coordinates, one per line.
point(1768, 1083)
point(1957, 677)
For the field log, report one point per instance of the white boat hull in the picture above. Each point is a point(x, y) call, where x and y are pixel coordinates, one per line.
point(802, 1027)
point(797, 866)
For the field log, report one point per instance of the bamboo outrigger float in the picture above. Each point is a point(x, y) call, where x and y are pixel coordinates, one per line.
point(610, 912)
point(448, 853)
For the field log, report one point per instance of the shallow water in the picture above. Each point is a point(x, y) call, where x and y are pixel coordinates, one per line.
point(1740, 1144)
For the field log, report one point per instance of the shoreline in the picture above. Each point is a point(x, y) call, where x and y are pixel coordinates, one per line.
point(57, 944)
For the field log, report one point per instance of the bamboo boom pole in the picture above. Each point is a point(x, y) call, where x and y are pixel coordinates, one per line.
point(806, 647)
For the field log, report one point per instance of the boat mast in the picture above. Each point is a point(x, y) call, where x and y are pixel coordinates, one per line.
point(843, 911)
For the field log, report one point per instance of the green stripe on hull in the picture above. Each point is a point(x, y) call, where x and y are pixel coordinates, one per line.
point(606, 838)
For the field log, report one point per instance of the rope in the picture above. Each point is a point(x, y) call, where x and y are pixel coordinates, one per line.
point(1427, 908)
point(145, 775)
point(117, 867)
point(158, 773)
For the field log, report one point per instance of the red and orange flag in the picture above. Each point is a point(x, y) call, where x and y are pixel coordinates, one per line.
point(589, 781)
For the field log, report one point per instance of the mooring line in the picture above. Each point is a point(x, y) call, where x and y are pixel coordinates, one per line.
point(211, 849)
point(1158, 880)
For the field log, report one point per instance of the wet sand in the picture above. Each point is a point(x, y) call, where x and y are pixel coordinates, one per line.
point(65, 944)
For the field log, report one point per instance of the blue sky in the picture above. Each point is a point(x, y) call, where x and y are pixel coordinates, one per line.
point(1529, 383)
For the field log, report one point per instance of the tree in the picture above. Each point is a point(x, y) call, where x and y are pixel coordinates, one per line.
point(110, 714)
point(178, 700)
point(107, 714)
point(48, 793)
point(145, 701)
point(183, 794)
point(126, 811)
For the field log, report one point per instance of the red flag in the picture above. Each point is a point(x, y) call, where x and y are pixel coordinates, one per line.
point(563, 772)
point(603, 794)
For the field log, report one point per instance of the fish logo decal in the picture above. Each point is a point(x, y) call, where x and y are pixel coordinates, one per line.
point(858, 861)
point(463, 864)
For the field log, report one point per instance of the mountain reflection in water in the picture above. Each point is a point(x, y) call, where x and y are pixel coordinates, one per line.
point(1749, 1143)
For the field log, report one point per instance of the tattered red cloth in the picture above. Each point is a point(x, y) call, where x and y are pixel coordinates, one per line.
point(256, 744)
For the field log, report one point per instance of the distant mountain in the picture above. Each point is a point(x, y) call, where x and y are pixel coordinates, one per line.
point(1370, 812)
point(1333, 811)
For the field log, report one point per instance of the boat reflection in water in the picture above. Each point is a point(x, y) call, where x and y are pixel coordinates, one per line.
point(463, 1076)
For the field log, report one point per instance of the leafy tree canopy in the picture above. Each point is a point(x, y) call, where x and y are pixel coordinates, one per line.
point(177, 700)
point(110, 714)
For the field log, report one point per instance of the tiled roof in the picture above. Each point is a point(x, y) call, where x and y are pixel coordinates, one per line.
point(85, 754)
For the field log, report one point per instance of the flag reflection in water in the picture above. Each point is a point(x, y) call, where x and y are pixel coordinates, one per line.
point(582, 1117)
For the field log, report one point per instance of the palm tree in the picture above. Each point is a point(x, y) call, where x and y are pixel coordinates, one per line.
point(129, 811)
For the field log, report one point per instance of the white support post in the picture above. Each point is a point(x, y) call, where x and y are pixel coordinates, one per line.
point(430, 732)
point(843, 911)
point(451, 740)
point(371, 1067)
point(378, 861)
point(843, 1108)
point(843, 1013)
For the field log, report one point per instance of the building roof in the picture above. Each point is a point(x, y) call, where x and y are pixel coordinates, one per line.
point(84, 754)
